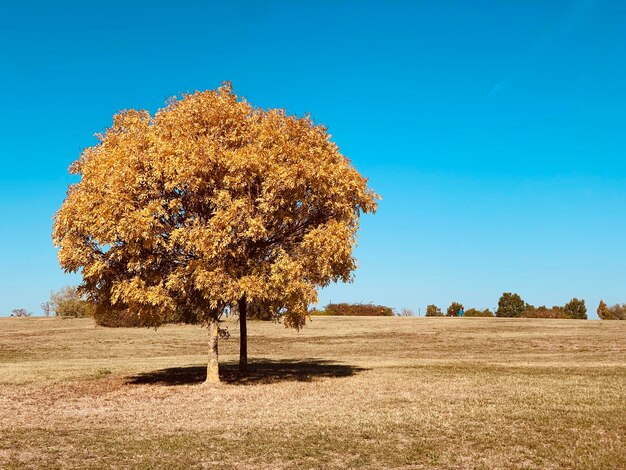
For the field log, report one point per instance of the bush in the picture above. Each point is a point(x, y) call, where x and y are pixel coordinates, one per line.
point(406, 312)
point(263, 311)
point(20, 312)
point(433, 311)
point(115, 318)
point(616, 312)
point(575, 308)
point(70, 302)
point(454, 309)
point(472, 312)
point(112, 317)
point(510, 305)
point(544, 312)
point(45, 307)
point(358, 309)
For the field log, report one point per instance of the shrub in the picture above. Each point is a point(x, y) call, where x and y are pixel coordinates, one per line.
point(618, 312)
point(576, 309)
point(357, 309)
point(70, 302)
point(114, 318)
point(544, 312)
point(107, 315)
point(264, 311)
point(510, 305)
point(20, 312)
point(122, 318)
point(45, 307)
point(454, 309)
point(433, 311)
point(472, 312)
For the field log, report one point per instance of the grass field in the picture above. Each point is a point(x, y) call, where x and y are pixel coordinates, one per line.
point(468, 393)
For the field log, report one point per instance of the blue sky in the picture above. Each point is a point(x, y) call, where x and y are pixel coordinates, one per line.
point(495, 131)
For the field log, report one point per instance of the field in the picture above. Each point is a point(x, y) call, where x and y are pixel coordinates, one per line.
point(412, 393)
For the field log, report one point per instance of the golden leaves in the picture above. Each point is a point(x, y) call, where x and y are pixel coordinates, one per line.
point(209, 200)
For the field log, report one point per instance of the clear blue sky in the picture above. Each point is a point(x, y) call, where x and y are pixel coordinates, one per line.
point(495, 131)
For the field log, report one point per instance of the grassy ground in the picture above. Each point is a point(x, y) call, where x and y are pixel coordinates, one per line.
point(415, 393)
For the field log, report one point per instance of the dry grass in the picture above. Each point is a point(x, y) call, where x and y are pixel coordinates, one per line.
point(465, 393)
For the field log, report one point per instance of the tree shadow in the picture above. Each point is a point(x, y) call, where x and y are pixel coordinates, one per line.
point(260, 371)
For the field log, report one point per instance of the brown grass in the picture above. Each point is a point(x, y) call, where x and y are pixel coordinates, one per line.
point(453, 393)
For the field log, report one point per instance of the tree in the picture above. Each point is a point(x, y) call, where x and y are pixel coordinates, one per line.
point(576, 308)
point(69, 302)
point(20, 312)
point(454, 309)
point(510, 305)
point(207, 204)
point(406, 312)
point(45, 307)
point(433, 311)
point(615, 312)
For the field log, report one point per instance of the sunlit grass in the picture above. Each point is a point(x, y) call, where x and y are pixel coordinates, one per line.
point(344, 392)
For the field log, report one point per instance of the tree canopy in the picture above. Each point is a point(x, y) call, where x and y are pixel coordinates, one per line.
point(433, 311)
point(209, 202)
point(576, 308)
point(510, 305)
point(616, 312)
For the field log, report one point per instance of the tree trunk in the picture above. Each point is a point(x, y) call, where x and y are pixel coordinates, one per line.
point(213, 371)
point(243, 334)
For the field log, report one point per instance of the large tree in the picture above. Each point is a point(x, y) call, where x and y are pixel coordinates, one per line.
point(207, 204)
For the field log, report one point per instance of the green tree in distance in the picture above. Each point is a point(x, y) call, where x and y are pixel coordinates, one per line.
point(576, 309)
point(433, 311)
point(510, 305)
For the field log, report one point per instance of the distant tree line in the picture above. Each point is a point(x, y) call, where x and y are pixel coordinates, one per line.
point(356, 309)
point(511, 305)
point(454, 310)
point(69, 301)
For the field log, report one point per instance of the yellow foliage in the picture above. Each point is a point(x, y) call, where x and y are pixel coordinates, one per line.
point(207, 201)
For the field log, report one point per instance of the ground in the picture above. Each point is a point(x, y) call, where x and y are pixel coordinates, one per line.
point(345, 392)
